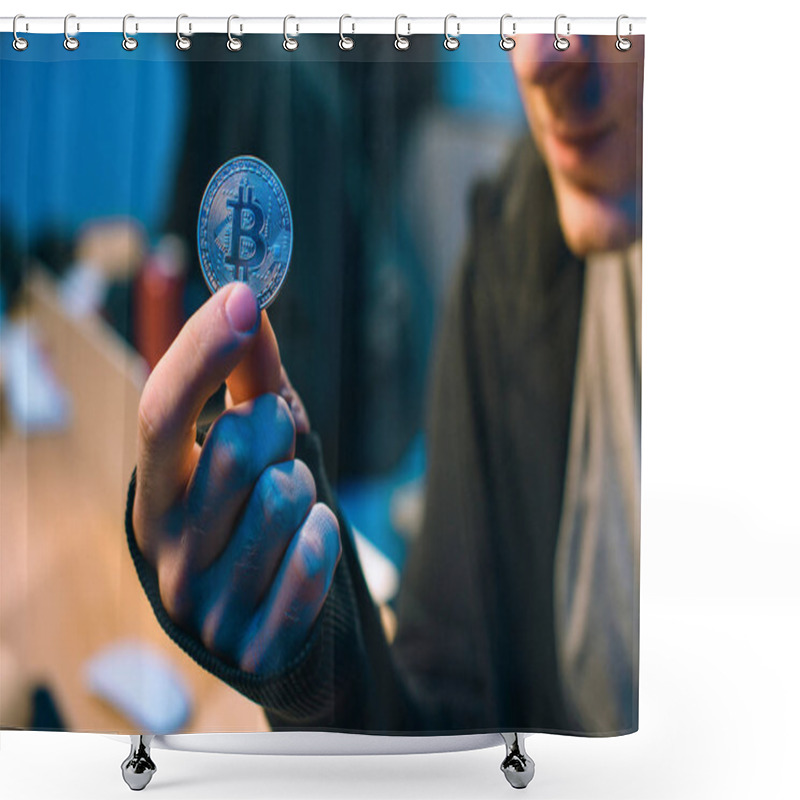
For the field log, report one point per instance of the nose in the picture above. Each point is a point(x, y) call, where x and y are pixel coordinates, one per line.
point(537, 61)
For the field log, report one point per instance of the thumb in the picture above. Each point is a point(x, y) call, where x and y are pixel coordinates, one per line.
point(259, 369)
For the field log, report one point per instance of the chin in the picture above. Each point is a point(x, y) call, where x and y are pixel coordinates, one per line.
point(593, 224)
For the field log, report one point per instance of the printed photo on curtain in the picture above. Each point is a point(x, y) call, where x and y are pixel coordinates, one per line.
point(321, 384)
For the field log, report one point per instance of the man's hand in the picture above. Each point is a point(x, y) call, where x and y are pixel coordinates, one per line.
point(245, 555)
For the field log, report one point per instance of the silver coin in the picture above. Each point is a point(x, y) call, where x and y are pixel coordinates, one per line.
point(244, 229)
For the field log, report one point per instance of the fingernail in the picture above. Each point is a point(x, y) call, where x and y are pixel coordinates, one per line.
point(242, 310)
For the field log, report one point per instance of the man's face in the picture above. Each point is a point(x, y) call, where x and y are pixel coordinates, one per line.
point(584, 108)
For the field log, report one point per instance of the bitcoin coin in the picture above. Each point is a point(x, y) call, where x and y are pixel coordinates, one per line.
point(244, 229)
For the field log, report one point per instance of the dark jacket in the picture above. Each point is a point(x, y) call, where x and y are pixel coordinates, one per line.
point(475, 649)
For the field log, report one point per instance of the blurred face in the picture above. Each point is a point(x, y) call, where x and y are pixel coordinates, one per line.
point(584, 108)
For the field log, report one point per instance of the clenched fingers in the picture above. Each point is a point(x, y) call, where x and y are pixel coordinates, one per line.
point(286, 616)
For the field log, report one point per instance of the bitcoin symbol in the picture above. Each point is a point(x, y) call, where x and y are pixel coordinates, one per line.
point(244, 229)
point(248, 246)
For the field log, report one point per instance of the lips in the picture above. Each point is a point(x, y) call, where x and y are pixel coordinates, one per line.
point(583, 137)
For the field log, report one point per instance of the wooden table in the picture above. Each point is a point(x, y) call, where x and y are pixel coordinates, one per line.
point(67, 584)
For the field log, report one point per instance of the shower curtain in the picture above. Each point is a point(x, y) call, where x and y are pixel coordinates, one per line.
point(401, 499)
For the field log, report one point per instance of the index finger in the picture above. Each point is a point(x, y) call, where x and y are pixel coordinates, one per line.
point(202, 355)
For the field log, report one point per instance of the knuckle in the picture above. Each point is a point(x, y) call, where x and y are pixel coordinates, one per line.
point(273, 497)
point(312, 551)
point(320, 545)
point(282, 411)
point(282, 427)
point(330, 527)
point(150, 417)
point(176, 586)
point(305, 483)
point(286, 491)
point(228, 427)
point(218, 631)
point(231, 443)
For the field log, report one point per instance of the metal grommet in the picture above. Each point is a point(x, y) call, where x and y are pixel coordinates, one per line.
point(401, 42)
point(233, 44)
point(345, 42)
point(623, 44)
point(506, 42)
point(182, 42)
point(289, 43)
point(451, 42)
point(19, 44)
point(70, 42)
point(128, 42)
point(560, 42)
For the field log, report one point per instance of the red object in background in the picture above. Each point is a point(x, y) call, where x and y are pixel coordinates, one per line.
point(158, 299)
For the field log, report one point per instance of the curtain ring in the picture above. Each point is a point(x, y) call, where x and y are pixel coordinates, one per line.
point(560, 42)
point(346, 42)
point(70, 42)
point(506, 42)
point(128, 42)
point(19, 44)
point(289, 43)
point(182, 42)
point(623, 44)
point(451, 42)
point(401, 42)
point(233, 44)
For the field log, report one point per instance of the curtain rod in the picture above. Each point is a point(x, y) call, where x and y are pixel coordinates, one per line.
point(349, 25)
